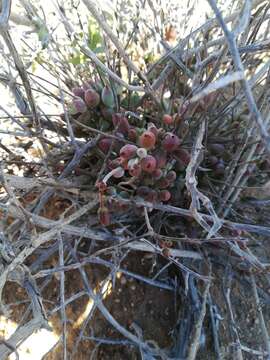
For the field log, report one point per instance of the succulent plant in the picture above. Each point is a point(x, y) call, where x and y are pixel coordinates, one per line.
point(217, 149)
point(143, 191)
point(105, 144)
point(149, 164)
point(219, 168)
point(171, 176)
point(167, 119)
point(78, 91)
point(213, 160)
point(147, 140)
point(121, 123)
point(107, 97)
point(161, 158)
point(132, 134)
point(170, 142)
point(152, 196)
point(152, 127)
point(91, 98)
point(119, 172)
point(128, 151)
point(141, 153)
point(164, 195)
point(157, 174)
point(134, 169)
point(182, 155)
point(163, 183)
point(79, 105)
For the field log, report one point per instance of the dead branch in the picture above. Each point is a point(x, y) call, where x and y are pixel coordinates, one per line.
point(196, 195)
